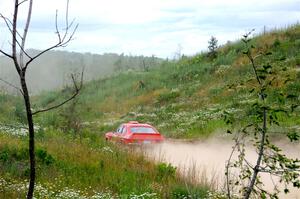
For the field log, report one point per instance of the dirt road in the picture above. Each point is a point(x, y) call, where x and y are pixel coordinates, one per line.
point(205, 160)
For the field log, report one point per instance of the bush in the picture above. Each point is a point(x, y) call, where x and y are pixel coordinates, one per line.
point(13, 154)
point(44, 156)
point(165, 171)
point(4, 155)
point(276, 43)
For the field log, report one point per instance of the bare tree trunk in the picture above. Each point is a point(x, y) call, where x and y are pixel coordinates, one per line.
point(21, 67)
point(31, 136)
point(260, 155)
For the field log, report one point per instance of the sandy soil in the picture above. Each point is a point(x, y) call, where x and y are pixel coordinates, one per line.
point(205, 160)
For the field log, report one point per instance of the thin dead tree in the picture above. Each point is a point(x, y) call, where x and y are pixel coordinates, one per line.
point(22, 60)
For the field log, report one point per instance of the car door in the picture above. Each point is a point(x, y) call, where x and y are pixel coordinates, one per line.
point(118, 134)
point(123, 133)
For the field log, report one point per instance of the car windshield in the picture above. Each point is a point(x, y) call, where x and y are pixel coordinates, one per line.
point(142, 129)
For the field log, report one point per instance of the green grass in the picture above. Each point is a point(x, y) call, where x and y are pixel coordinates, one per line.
point(11, 109)
point(87, 164)
point(190, 87)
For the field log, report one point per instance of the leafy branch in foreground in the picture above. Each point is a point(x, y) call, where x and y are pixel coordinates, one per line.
point(242, 173)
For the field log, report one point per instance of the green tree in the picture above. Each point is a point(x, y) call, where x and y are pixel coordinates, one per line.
point(263, 114)
point(212, 47)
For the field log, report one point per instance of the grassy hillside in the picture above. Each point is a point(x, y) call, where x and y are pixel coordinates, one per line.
point(184, 98)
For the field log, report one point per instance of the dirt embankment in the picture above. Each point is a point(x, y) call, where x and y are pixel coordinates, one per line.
point(204, 161)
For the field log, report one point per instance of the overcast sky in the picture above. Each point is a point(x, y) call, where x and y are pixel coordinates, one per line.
point(149, 27)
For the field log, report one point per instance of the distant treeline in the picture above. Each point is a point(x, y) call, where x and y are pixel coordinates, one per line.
point(53, 69)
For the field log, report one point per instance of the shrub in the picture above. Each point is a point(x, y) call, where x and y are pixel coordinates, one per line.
point(276, 43)
point(165, 171)
point(13, 154)
point(4, 155)
point(44, 156)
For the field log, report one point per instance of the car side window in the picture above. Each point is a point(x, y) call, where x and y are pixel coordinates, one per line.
point(124, 130)
point(119, 130)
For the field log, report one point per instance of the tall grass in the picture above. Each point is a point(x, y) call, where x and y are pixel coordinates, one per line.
point(89, 165)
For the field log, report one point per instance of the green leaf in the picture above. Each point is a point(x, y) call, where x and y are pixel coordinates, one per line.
point(263, 195)
point(296, 184)
point(286, 190)
point(293, 136)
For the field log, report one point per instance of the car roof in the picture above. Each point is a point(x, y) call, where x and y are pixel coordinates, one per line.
point(134, 123)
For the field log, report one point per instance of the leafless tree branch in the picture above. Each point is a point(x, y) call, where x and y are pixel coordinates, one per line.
point(25, 34)
point(59, 44)
point(6, 54)
point(227, 170)
point(249, 164)
point(8, 25)
point(67, 17)
point(22, 2)
point(11, 85)
point(14, 38)
point(77, 88)
point(278, 172)
point(62, 40)
point(56, 27)
point(273, 182)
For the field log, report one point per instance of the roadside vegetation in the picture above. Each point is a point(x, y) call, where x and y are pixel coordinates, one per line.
point(185, 98)
point(88, 167)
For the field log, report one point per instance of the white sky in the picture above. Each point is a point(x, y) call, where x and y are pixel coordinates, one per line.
point(151, 26)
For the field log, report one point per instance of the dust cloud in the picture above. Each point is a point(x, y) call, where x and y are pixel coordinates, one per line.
point(204, 161)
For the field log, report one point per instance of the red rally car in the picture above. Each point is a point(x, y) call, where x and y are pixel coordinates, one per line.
point(135, 132)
